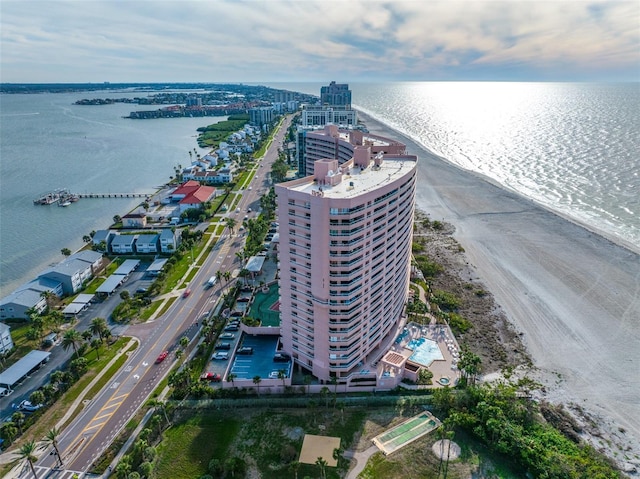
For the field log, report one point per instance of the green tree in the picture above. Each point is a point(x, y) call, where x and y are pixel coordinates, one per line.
point(52, 439)
point(96, 344)
point(65, 252)
point(117, 219)
point(26, 453)
point(98, 327)
point(322, 464)
point(78, 367)
point(325, 393)
point(71, 339)
point(469, 364)
point(8, 431)
point(86, 239)
point(231, 224)
point(17, 418)
point(37, 397)
point(257, 380)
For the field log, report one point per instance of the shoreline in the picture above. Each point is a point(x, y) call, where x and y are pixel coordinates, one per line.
point(368, 117)
point(570, 292)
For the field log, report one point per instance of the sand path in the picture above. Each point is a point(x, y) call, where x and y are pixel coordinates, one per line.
point(573, 294)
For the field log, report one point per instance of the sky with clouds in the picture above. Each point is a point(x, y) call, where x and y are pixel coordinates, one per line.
point(308, 40)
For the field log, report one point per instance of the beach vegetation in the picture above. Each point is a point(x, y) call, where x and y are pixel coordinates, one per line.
point(447, 301)
point(458, 324)
point(504, 417)
point(428, 267)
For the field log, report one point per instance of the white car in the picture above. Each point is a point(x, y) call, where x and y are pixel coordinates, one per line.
point(220, 355)
point(28, 407)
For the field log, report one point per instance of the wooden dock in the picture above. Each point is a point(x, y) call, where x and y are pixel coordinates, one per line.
point(115, 195)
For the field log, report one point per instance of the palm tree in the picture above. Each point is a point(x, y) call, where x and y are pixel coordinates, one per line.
point(231, 224)
point(162, 406)
point(65, 252)
point(49, 297)
point(257, 380)
point(282, 374)
point(322, 464)
point(227, 277)
point(86, 239)
point(325, 392)
point(98, 326)
point(231, 377)
point(95, 344)
point(184, 342)
point(18, 419)
point(26, 453)
point(52, 438)
point(307, 381)
point(72, 338)
point(294, 466)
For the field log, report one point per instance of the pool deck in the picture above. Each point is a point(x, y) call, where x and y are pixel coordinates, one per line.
point(441, 334)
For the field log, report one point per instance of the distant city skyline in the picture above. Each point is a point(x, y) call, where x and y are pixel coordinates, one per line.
point(296, 41)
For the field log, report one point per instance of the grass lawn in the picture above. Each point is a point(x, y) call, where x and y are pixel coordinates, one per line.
point(188, 447)
point(149, 310)
point(269, 439)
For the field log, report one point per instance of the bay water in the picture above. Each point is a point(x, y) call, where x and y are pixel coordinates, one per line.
point(47, 142)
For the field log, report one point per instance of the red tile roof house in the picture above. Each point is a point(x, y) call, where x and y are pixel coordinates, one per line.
point(192, 195)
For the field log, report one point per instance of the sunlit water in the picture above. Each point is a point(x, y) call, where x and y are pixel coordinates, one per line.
point(574, 148)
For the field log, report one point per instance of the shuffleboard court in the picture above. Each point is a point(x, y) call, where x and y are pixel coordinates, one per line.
point(406, 432)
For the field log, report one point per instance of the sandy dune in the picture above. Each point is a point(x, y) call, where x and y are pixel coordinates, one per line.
point(573, 294)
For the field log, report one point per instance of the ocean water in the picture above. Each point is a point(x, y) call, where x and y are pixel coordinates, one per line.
point(574, 148)
point(47, 142)
point(571, 147)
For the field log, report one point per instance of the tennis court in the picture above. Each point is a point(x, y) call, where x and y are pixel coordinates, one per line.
point(405, 433)
point(266, 306)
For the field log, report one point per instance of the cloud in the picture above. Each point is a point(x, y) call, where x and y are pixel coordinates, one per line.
point(271, 40)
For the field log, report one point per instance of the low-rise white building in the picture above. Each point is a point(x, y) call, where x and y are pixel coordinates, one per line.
point(6, 341)
point(147, 243)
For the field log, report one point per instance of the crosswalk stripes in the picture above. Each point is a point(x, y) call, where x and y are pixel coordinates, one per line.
point(48, 473)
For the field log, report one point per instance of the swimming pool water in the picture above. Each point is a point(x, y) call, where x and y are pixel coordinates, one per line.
point(425, 351)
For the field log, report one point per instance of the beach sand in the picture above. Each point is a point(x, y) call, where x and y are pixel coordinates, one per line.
point(573, 294)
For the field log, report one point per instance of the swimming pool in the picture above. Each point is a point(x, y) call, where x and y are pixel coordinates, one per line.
point(425, 351)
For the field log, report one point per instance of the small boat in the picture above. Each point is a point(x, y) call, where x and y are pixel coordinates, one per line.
point(66, 203)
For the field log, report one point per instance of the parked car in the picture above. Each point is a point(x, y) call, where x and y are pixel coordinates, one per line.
point(223, 346)
point(232, 327)
point(141, 290)
point(215, 377)
point(26, 406)
point(186, 293)
point(227, 336)
point(220, 355)
point(245, 350)
point(162, 357)
point(281, 358)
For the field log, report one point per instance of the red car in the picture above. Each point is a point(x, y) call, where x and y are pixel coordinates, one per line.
point(215, 377)
point(186, 293)
point(162, 357)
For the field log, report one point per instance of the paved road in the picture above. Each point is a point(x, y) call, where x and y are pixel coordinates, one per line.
point(103, 418)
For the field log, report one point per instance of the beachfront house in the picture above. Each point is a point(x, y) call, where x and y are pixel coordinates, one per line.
point(123, 244)
point(192, 195)
point(169, 240)
point(6, 341)
point(134, 220)
point(147, 243)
